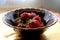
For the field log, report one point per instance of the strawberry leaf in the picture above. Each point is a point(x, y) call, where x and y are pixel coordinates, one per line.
point(17, 19)
point(22, 25)
point(30, 21)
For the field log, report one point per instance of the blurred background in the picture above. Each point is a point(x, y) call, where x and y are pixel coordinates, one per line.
point(48, 4)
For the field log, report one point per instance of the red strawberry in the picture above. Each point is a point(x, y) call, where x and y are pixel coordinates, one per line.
point(24, 16)
point(18, 26)
point(37, 18)
point(42, 24)
point(31, 15)
point(19, 21)
point(28, 26)
point(35, 24)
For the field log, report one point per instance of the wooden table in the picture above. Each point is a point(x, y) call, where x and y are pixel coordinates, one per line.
point(7, 33)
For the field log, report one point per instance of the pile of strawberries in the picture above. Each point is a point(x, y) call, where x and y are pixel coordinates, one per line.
point(29, 20)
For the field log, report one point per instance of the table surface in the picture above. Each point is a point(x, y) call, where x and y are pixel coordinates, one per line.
point(7, 33)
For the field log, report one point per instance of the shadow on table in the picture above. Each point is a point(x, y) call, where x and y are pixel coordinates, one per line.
point(42, 37)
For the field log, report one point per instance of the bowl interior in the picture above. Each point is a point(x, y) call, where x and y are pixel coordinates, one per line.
point(48, 16)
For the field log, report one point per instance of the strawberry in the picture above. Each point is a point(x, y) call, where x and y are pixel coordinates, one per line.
point(37, 18)
point(24, 16)
point(28, 26)
point(42, 25)
point(31, 15)
point(18, 26)
point(19, 21)
point(35, 24)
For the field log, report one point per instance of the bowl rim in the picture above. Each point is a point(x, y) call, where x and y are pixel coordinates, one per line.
point(30, 28)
